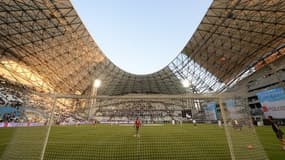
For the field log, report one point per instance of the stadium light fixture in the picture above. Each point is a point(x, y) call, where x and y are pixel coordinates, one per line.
point(186, 83)
point(97, 83)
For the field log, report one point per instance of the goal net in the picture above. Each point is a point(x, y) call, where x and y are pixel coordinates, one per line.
point(195, 127)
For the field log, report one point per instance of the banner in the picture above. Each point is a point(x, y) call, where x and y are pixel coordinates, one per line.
point(272, 102)
point(234, 110)
point(14, 124)
point(210, 111)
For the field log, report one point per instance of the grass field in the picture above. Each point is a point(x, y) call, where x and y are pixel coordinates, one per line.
point(204, 142)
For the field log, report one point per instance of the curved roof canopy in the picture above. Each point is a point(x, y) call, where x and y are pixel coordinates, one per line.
point(45, 44)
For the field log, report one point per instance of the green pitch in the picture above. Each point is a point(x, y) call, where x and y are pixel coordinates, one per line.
point(204, 142)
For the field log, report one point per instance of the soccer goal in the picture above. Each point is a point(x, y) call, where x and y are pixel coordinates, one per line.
point(188, 126)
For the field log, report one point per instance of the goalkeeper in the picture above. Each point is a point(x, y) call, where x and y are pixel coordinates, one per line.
point(137, 126)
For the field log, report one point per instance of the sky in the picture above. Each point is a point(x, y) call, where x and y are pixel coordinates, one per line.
point(141, 36)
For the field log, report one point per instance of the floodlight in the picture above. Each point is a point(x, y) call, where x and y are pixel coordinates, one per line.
point(185, 83)
point(97, 83)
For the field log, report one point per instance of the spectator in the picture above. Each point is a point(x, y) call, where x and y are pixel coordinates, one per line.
point(278, 132)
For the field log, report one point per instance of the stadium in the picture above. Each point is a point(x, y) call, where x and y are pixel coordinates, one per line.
point(62, 98)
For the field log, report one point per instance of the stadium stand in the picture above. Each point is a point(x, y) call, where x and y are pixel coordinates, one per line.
point(49, 63)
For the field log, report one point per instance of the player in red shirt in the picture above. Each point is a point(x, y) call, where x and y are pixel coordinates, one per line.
point(137, 125)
